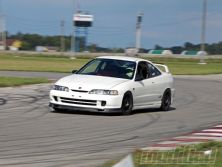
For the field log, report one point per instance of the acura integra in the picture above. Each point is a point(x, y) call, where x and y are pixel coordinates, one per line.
point(115, 84)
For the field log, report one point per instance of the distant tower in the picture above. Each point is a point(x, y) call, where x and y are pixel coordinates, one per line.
point(138, 30)
point(81, 23)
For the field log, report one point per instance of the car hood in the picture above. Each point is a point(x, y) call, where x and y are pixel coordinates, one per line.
point(89, 82)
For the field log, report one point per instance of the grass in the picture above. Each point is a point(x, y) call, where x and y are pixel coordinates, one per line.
point(17, 81)
point(49, 63)
point(193, 156)
point(181, 66)
point(39, 63)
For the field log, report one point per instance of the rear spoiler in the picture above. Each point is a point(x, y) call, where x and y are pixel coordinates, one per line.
point(166, 69)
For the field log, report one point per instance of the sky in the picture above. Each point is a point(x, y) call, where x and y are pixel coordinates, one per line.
point(165, 22)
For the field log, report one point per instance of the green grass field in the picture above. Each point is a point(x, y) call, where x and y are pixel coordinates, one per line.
point(17, 81)
point(189, 155)
point(178, 66)
point(39, 63)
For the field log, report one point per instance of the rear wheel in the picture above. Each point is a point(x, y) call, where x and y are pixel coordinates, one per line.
point(127, 104)
point(166, 101)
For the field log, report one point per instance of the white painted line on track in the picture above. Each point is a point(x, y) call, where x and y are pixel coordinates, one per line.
point(214, 133)
point(218, 126)
point(218, 139)
point(189, 143)
point(208, 134)
point(126, 162)
point(169, 142)
point(212, 130)
point(197, 137)
point(158, 148)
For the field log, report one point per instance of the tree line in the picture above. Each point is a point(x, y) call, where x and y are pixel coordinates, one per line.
point(212, 49)
point(30, 41)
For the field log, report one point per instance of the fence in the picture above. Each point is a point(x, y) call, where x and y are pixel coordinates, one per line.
point(185, 155)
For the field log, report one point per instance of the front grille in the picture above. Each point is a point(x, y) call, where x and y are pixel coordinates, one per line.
point(78, 101)
point(81, 91)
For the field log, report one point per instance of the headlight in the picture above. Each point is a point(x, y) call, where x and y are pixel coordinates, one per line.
point(60, 88)
point(103, 92)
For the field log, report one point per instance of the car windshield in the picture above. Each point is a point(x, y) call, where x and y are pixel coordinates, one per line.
point(109, 68)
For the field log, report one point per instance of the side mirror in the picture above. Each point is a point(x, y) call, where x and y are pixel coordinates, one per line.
point(74, 71)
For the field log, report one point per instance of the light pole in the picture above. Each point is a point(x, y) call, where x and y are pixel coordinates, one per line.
point(203, 33)
point(62, 39)
point(2, 29)
point(73, 35)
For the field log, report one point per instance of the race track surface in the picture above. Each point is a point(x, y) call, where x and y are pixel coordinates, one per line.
point(32, 135)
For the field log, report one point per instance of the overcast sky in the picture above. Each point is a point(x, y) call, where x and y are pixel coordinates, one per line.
point(165, 22)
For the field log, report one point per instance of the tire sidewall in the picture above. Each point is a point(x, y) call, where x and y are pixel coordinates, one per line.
point(164, 106)
point(130, 100)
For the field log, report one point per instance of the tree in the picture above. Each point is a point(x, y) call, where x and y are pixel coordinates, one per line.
point(26, 46)
point(158, 47)
point(93, 48)
point(189, 46)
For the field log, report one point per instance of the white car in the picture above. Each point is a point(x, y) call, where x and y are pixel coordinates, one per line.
point(114, 84)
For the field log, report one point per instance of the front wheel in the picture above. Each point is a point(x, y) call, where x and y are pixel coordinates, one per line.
point(166, 101)
point(127, 104)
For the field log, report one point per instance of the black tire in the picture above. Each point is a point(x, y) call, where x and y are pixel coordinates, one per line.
point(127, 104)
point(166, 101)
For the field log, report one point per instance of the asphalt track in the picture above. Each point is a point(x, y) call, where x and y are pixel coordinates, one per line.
point(32, 135)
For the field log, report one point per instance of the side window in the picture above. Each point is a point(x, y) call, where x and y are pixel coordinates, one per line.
point(153, 71)
point(142, 71)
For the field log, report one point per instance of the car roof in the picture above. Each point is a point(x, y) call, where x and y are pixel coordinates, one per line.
point(135, 59)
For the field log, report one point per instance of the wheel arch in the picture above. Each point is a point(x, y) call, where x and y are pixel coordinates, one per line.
point(129, 93)
point(167, 90)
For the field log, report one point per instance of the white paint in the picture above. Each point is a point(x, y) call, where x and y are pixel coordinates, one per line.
point(218, 126)
point(197, 137)
point(170, 142)
point(83, 17)
point(159, 148)
point(208, 152)
point(209, 134)
point(146, 93)
point(213, 130)
point(126, 162)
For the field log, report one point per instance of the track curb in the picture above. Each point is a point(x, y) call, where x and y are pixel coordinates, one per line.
point(213, 133)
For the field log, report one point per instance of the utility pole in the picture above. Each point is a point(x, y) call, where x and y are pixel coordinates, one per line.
point(138, 30)
point(203, 33)
point(2, 29)
point(62, 40)
point(73, 35)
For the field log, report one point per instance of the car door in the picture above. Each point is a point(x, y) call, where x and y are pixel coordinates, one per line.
point(144, 93)
point(158, 80)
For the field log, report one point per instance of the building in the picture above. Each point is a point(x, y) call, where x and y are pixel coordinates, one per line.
point(46, 49)
point(160, 52)
point(194, 53)
point(13, 44)
point(131, 51)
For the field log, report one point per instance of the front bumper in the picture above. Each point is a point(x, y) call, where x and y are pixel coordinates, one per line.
point(110, 110)
point(85, 102)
